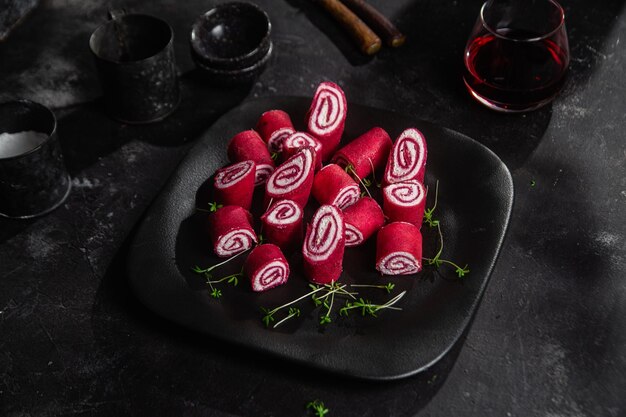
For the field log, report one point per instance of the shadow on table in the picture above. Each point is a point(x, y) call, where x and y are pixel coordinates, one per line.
point(332, 29)
point(161, 368)
point(87, 133)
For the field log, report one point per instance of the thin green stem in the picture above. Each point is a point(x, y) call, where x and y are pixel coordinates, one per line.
point(329, 307)
point(388, 287)
point(369, 308)
point(428, 213)
point(271, 312)
point(199, 270)
point(293, 312)
point(336, 288)
point(228, 277)
point(378, 184)
point(351, 170)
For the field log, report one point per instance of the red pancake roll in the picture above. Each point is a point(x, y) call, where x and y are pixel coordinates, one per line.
point(298, 140)
point(292, 180)
point(248, 145)
point(230, 230)
point(399, 249)
point(324, 245)
point(407, 159)
point(405, 202)
point(327, 116)
point(266, 267)
point(362, 219)
point(234, 184)
point(274, 126)
point(282, 225)
point(332, 185)
point(366, 153)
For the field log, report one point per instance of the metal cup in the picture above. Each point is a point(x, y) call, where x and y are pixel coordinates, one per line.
point(135, 59)
point(33, 178)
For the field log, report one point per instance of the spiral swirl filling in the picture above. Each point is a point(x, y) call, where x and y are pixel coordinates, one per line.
point(229, 176)
point(301, 139)
point(292, 174)
point(328, 112)
point(353, 235)
point(283, 212)
point(398, 263)
point(347, 196)
point(277, 138)
point(327, 229)
point(407, 156)
point(406, 194)
point(234, 242)
point(262, 173)
point(269, 275)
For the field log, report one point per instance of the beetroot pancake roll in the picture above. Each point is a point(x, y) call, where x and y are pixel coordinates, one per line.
point(324, 245)
point(407, 160)
point(248, 145)
point(362, 219)
point(327, 117)
point(292, 180)
point(266, 267)
point(274, 126)
point(234, 184)
point(230, 229)
point(368, 151)
point(332, 185)
point(405, 202)
point(282, 225)
point(298, 140)
point(399, 249)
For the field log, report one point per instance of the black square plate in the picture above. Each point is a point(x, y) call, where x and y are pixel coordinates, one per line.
point(475, 201)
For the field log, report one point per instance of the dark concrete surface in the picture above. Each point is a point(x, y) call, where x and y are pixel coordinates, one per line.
point(549, 338)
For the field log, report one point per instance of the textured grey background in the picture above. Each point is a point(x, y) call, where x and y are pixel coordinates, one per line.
point(548, 340)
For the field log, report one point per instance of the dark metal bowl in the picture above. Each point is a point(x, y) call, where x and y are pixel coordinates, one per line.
point(231, 36)
point(236, 76)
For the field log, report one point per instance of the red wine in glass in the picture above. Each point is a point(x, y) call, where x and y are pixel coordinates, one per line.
point(511, 69)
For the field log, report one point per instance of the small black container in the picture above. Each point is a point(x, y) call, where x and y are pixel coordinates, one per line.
point(33, 180)
point(134, 55)
point(232, 42)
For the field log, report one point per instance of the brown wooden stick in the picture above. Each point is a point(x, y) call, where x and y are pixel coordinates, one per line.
point(381, 25)
point(368, 42)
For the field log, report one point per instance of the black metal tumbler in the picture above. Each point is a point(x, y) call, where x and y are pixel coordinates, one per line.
point(134, 55)
point(33, 178)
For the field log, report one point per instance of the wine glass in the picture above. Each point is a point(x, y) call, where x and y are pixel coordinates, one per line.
point(517, 55)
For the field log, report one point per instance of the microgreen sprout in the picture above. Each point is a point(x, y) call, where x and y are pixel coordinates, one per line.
point(214, 206)
point(437, 261)
point(325, 318)
point(293, 312)
point(378, 184)
point(205, 271)
point(368, 308)
point(274, 156)
point(326, 300)
point(428, 213)
point(317, 407)
point(387, 287)
point(350, 170)
point(232, 279)
point(268, 318)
